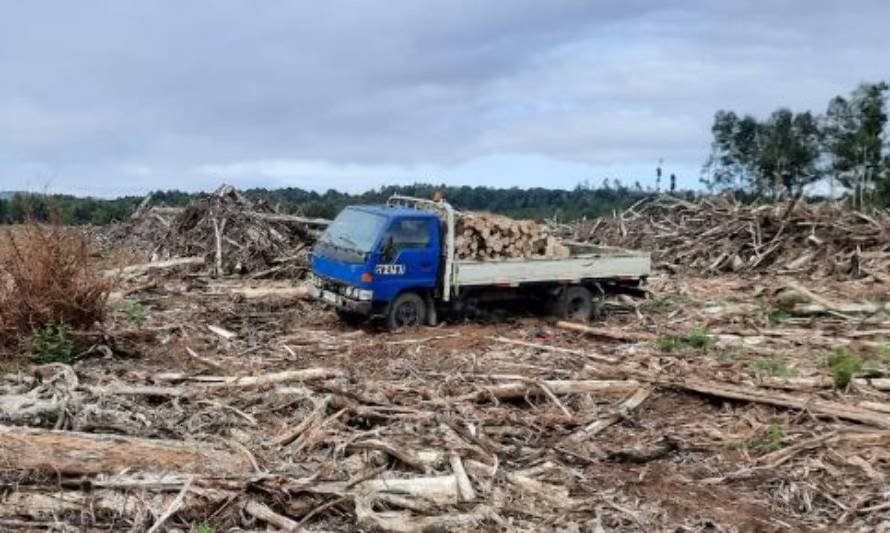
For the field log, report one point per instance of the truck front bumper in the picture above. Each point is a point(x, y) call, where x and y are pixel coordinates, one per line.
point(340, 302)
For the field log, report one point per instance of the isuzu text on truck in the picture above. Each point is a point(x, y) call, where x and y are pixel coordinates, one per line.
point(397, 262)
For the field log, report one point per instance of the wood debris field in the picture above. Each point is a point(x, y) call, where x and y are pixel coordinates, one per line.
point(754, 398)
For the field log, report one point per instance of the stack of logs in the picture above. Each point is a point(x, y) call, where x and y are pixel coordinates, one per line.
point(487, 237)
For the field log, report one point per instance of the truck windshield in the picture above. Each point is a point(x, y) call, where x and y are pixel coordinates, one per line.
point(354, 229)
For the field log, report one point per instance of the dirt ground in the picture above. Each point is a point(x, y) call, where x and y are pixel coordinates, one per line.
point(408, 405)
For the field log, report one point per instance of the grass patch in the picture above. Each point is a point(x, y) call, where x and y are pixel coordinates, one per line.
point(134, 312)
point(203, 527)
point(695, 339)
point(777, 316)
point(788, 299)
point(661, 304)
point(773, 439)
point(844, 364)
point(883, 352)
point(768, 366)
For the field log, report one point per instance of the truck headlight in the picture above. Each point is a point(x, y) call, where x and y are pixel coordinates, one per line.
point(365, 295)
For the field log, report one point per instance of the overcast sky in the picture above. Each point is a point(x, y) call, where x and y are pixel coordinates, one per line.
point(112, 97)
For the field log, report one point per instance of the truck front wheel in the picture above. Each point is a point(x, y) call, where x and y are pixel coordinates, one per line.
point(407, 311)
point(350, 318)
point(574, 303)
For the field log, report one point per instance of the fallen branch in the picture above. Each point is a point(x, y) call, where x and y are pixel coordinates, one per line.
point(306, 374)
point(548, 348)
point(610, 334)
point(157, 265)
point(622, 411)
point(27, 449)
point(521, 389)
point(266, 514)
point(822, 408)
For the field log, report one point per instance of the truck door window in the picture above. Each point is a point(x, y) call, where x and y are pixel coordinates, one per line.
point(409, 233)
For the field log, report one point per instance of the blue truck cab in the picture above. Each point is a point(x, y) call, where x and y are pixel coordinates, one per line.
point(371, 255)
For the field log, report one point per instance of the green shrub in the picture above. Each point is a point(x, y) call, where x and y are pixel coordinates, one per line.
point(134, 312)
point(772, 367)
point(52, 344)
point(844, 365)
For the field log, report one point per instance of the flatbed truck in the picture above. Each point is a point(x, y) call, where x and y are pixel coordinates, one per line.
point(397, 262)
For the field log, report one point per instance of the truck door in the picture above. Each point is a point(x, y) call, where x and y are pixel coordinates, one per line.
point(410, 256)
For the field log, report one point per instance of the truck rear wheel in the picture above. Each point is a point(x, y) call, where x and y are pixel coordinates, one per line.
point(574, 303)
point(407, 311)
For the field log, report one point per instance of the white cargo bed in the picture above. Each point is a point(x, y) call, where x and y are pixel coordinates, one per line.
point(585, 262)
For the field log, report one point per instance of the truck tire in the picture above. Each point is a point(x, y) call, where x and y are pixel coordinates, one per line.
point(406, 311)
point(574, 303)
point(350, 318)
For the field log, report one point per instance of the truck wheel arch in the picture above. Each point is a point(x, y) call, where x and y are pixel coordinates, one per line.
point(396, 319)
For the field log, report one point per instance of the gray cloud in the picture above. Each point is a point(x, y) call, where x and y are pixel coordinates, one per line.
point(108, 97)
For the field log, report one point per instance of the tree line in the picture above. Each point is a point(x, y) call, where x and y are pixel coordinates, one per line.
point(584, 201)
point(844, 148)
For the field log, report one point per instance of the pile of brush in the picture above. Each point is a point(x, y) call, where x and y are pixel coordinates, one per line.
point(235, 235)
point(719, 234)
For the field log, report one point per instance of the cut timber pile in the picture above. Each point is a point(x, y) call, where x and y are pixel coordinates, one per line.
point(234, 235)
point(716, 235)
point(483, 236)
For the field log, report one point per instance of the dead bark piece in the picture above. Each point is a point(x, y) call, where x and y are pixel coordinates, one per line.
point(423, 460)
point(440, 490)
point(306, 374)
point(174, 506)
point(464, 487)
point(222, 332)
point(271, 293)
point(307, 422)
point(821, 383)
point(646, 453)
point(608, 333)
point(266, 514)
point(622, 411)
point(548, 348)
point(23, 408)
point(521, 389)
point(26, 449)
point(43, 504)
point(135, 390)
point(553, 494)
point(218, 254)
point(157, 265)
point(823, 408)
point(405, 522)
